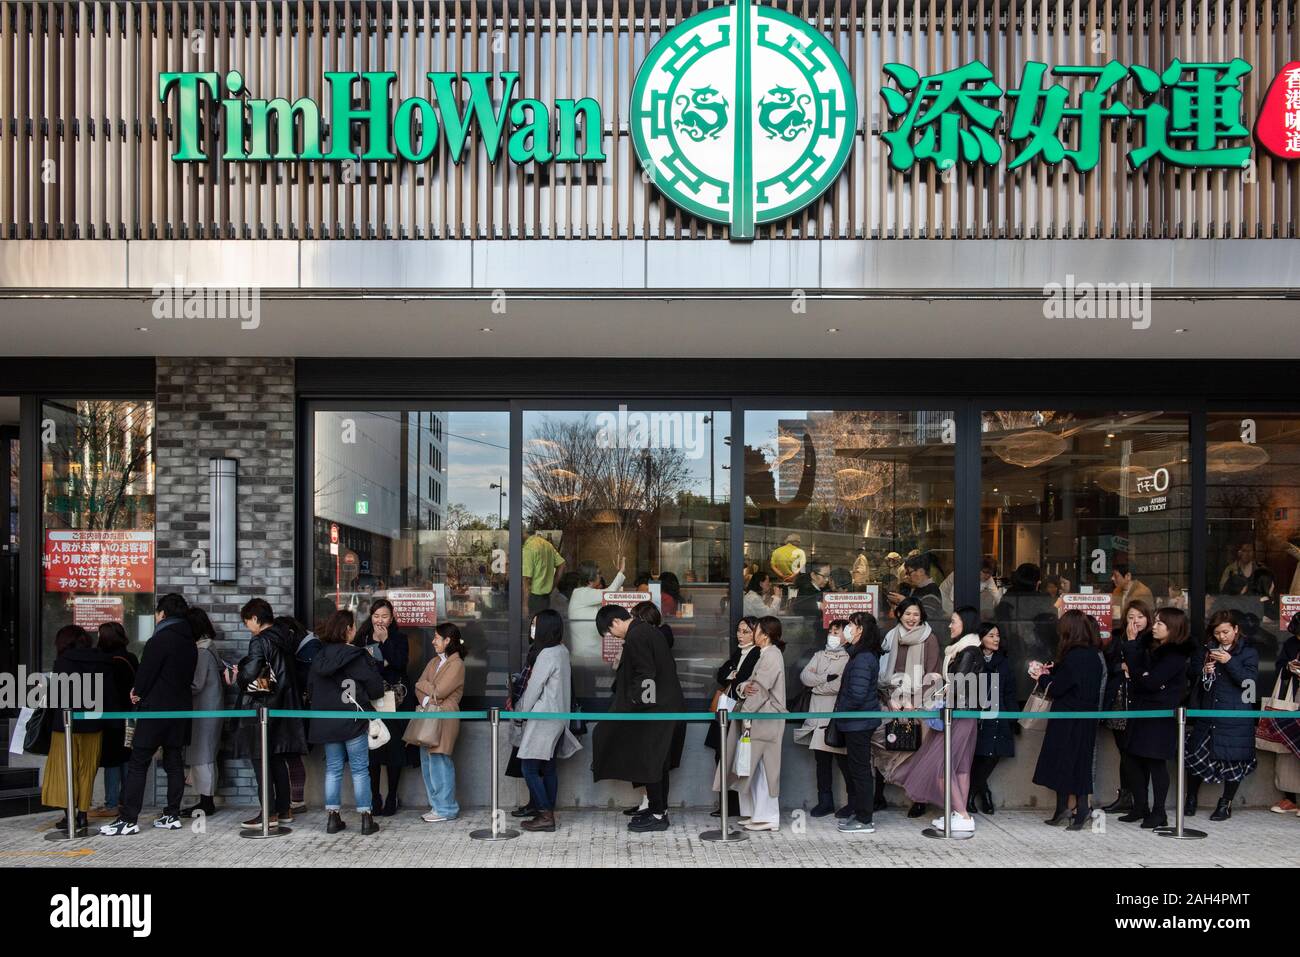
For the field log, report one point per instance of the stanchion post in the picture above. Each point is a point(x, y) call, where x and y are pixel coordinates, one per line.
point(71, 832)
point(947, 832)
point(495, 832)
point(723, 834)
point(264, 722)
point(1178, 831)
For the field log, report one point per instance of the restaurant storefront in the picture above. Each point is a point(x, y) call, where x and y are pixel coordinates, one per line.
point(477, 295)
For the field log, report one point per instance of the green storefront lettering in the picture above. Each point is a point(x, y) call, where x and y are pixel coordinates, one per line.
point(361, 109)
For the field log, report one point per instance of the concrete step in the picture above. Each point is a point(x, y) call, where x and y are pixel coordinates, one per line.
point(15, 802)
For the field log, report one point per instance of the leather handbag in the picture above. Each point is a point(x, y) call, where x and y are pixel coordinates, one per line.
point(1123, 700)
point(832, 736)
point(377, 732)
point(40, 726)
point(902, 734)
point(424, 732)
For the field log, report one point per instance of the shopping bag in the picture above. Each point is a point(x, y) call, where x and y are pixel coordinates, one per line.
point(744, 756)
point(1038, 702)
point(1276, 702)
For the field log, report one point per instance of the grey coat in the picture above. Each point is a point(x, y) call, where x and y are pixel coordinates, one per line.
point(548, 690)
point(209, 693)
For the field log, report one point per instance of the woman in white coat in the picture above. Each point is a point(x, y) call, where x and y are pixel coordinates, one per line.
point(764, 692)
point(821, 676)
point(542, 743)
point(589, 596)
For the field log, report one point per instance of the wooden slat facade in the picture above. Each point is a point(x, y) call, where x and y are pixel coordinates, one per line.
point(85, 144)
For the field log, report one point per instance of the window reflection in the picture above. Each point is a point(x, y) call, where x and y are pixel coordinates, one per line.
point(1253, 506)
point(623, 501)
point(1078, 506)
point(417, 501)
point(837, 504)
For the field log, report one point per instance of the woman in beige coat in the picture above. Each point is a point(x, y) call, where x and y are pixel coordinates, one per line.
point(440, 687)
point(764, 692)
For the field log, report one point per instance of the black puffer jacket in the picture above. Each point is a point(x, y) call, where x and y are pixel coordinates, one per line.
point(334, 670)
point(272, 650)
point(1159, 683)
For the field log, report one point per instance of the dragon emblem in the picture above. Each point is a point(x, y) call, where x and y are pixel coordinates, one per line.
point(782, 114)
point(703, 115)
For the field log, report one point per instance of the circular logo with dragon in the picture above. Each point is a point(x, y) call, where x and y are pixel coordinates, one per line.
point(743, 115)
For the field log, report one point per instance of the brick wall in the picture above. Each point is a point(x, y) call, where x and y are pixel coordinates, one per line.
point(240, 408)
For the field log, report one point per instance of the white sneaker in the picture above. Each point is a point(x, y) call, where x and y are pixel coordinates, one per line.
point(120, 827)
point(959, 823)
point(433, 817)
point(168, 822)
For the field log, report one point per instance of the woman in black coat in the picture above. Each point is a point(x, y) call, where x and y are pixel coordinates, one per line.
point(1159, 683)
point(731, 673)
point(82, 673)
point(1075, 681)
point(114, 753)
point(380, 637)
point(994, 737)
point(1120, 652)
point(1222, 750)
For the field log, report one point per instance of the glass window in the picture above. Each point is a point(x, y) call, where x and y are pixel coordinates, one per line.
point(1078, 506)
point(836, 504)
point(1253, 507)
point(97, 505)
point(622, 501)
point(432, 540)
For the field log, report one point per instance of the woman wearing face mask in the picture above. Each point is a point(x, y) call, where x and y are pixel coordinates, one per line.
point(1120, 651)
point(923, 778)
point(1222, 750)
point(994, 737)
point(764, 692)
point(734, 671)
point(386, 643)
point(439, 689)
point(859, 691)
point(821, 676)
point(911, 652)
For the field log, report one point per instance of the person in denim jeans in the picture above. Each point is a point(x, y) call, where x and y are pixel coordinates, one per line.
point(439, 689)
point(343, 677)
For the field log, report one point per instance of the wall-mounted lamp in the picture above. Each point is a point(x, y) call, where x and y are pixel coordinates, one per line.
point(223, 500)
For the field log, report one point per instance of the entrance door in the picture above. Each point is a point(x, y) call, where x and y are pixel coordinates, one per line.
point(9, 462)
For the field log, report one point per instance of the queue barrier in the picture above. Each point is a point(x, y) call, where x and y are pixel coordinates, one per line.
point(724, 834)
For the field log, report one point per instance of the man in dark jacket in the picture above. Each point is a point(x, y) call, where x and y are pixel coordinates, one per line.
point(161, 684)
point(645, 681)
point(268, 677)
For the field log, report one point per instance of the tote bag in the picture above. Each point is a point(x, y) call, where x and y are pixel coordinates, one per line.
point(744, 765)
point(424, 732)
point(1267, 736)
point(1038, 702)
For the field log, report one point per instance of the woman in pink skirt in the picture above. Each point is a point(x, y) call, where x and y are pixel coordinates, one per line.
point(922, 778)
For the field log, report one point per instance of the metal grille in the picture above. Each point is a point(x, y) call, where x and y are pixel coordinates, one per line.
point(85, 144)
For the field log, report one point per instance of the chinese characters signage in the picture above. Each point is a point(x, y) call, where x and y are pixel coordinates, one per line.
point(841, 604)
point(99, 562)
point(1097, 604)
point(1278, 126)
point(1189, 115)
point(416, 609)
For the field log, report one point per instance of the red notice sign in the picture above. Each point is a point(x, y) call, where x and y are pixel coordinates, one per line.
point(99, 562)
point(418, 609)
point(1290, 608)
point(841, 604)
point(1098, 605)
point(629, 600)
point(90, 612)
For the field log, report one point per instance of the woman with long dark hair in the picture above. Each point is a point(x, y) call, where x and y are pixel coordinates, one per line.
point(114, 753)
point(209, 694)
point(542, 743)
point(732, 672)
point(1073, 681)
point(380, 636)
point(1119, 651)
point(995, 736)
point(1222, 750)
point(1159, 683)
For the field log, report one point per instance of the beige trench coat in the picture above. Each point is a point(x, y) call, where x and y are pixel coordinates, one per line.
point(764, 736)
point(444, 685)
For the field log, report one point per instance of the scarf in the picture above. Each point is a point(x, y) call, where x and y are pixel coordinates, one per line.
point(957, 647)
point(913, 661)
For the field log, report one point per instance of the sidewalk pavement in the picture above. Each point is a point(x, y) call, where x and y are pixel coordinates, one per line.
point(599, 838)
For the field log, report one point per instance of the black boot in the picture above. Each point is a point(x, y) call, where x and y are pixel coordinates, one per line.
point(1080, 819)
point(390, 806)
point(917, 809)
point(970, 804)
point(368, 825)
point(203, 804)
point(986, 802)
point(1123, 802)
point(1189, 806)
point(1157, 818)
point(1222, 810)
point(83, 822)
point(334, 823)
point(879, 803)
point(825, 804)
